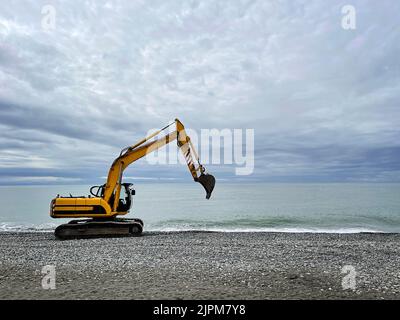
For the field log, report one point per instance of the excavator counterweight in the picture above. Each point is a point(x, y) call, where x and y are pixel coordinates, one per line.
point(114, 198)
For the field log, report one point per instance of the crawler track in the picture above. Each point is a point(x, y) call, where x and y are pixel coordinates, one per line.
point(91, 228)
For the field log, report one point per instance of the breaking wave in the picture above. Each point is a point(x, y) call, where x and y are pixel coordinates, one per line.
point(267, 224)
point(15, 227)
point(271, 224)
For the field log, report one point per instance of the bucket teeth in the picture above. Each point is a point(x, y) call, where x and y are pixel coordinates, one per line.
point(208, 183)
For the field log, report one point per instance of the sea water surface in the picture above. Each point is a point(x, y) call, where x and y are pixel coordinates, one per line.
point(284, 207)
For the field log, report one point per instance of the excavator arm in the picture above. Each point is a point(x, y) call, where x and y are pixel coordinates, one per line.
point(145, 146)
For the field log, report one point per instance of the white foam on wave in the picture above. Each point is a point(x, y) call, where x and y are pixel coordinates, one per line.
point(15, 227)
point(284, 230)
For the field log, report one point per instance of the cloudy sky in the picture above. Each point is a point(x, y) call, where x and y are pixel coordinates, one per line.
point(323, 101)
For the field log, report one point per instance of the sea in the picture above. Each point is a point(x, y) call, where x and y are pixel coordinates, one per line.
point(233, 207)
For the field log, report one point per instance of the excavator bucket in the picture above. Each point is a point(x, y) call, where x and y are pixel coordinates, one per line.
point(208, 183)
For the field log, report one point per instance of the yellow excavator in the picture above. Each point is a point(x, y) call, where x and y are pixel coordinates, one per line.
point(112, 199)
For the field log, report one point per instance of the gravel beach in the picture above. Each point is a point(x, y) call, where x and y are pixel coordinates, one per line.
point(202, 265)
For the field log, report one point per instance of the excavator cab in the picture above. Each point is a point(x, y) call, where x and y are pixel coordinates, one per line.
point(125, 197)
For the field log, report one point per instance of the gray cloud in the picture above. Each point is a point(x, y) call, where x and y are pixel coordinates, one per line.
point(323, 101)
